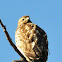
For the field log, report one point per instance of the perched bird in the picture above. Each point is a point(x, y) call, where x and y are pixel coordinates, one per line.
point(31, 40)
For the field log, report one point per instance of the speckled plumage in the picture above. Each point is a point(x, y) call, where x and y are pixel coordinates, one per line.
point(31, 40)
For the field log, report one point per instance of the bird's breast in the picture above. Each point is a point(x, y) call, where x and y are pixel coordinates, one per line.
point(26, 38)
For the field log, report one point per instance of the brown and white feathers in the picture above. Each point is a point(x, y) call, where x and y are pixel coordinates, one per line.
point(31, 40)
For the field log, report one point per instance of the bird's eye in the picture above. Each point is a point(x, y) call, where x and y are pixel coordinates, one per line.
point(22, 19)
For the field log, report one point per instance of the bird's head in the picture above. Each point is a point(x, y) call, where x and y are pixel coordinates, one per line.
point(24, 20)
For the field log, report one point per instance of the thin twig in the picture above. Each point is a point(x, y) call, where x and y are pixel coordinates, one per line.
point(10, 41)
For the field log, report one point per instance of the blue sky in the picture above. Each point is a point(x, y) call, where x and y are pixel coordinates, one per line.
point(45, 13)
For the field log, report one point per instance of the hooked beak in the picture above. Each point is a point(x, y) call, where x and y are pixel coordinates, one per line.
point(28, 18)
point(29, 21)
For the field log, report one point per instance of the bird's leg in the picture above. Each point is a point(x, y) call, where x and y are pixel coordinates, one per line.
point(21, 59)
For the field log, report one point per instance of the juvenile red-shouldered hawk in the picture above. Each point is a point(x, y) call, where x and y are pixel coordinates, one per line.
point(31, 40)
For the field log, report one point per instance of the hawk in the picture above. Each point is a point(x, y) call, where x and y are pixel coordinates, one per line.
point(31, 40)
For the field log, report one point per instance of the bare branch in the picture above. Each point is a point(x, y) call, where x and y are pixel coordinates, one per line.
point(10, 41)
